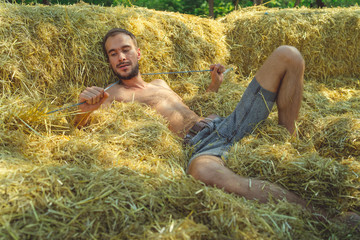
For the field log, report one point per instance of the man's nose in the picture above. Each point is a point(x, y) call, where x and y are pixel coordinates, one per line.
point(122, 57)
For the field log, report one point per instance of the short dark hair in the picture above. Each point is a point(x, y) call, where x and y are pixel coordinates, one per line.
point(114, 32)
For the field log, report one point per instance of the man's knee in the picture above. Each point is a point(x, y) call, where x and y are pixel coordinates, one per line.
point(291, 56)
point(204, 168)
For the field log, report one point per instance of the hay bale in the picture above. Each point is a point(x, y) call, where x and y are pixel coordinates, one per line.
point(328, 38)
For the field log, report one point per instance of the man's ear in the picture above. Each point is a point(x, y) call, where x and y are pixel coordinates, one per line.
point(138, 54)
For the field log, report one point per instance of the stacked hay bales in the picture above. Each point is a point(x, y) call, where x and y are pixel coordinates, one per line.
point(123, 176)
point(327, 38)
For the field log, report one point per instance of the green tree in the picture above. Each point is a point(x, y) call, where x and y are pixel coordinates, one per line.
point(214, 8)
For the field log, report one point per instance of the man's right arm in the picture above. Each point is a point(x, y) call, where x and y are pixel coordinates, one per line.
point(93, 97)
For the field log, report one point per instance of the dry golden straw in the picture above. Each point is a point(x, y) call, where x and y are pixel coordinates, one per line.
point(123, 176)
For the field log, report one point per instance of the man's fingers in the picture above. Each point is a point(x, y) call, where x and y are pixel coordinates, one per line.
point(95, 90)
point(217, 68)
point(105, 96)
point(88, 97)
point(222, 69)
point(92, 95)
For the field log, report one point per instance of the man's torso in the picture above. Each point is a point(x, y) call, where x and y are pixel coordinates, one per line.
point(158, 95)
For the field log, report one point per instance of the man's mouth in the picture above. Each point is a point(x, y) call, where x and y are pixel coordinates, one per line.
point(123, 65)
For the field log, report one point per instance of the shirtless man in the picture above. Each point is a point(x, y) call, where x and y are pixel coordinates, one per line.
point(279, 80)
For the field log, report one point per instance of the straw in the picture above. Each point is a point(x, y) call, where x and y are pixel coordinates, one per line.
point(123, 176)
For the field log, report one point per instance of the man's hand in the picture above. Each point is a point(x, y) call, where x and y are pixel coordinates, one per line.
point(217, 77)
point(94, 97)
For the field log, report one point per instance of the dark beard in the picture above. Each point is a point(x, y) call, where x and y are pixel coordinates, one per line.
point(132, 74)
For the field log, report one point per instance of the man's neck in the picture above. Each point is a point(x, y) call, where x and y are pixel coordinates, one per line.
point(135, 82)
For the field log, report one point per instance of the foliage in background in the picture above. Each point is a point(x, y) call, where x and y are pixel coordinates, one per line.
point(312, 3)
point(201, 7)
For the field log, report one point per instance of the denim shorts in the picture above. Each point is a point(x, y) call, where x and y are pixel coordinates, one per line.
point(221, 133)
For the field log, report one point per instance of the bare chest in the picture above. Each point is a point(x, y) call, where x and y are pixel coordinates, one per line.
point(153, 97)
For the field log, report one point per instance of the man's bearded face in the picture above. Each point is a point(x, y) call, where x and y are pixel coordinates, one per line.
point(134, 72)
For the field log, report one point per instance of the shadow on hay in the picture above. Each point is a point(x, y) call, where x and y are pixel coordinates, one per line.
point(338, 137)
point(69, 202)
point(72, 202)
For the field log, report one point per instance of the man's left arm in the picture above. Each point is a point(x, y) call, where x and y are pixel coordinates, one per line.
point(217, 77)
